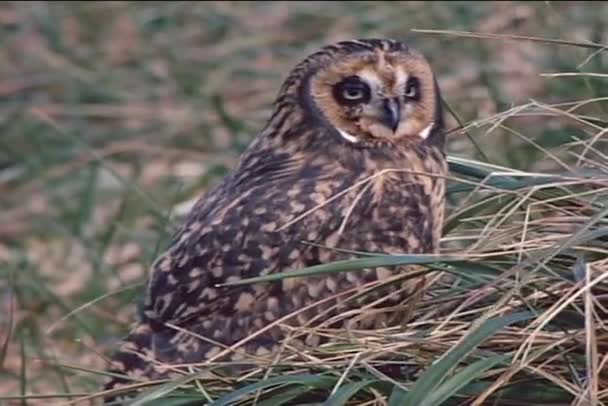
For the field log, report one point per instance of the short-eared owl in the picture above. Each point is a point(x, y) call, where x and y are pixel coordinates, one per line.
point(351, 160)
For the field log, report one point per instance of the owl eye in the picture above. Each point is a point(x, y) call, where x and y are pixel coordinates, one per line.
point(352, 90)
point(412, 88)
point(352, 93)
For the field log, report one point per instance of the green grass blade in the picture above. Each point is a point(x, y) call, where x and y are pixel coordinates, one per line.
point(460, 122)
point(307, 380)
point(348, 265)
point(9, 328)
point(284, 397)
point(147, 397)
point(433, 377)
point(177, 401)
point(471, 273)
point(470, 168)
point(483, 35)
point(23, 371)
point(451, 386)
point(346, 392)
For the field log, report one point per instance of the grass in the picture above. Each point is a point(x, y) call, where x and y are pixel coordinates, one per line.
point(114, 116)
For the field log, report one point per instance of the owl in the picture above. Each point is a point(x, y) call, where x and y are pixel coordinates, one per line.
point(351, 160)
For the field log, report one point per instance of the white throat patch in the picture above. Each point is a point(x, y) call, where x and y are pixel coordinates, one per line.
point(348, 137)
point(424, 134)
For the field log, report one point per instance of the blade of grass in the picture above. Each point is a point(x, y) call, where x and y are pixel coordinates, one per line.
point(90, 303)
point(284, 397)
point(43, 396)
point(346, 392)
point(23, 371)
point(323, 382)
point(158, 393)
point(179, 400)
point(591, 45)
point(467, 133)
point(10, 322)
point(454, 384)
point(435, 375)
point(347, 265)
point(83, 212)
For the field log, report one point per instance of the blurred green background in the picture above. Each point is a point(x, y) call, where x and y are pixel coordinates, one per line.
point(115, 115)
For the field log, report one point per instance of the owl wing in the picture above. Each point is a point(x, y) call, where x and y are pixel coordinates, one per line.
point(244, 227)
point(247, 226)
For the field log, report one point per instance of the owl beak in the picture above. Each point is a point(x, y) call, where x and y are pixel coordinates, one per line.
point(391, 113)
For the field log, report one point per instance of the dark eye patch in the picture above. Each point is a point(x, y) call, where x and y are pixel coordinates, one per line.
point(351, 91)
point(412, 88)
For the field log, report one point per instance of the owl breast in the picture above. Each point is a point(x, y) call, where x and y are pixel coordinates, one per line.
point(395, 208)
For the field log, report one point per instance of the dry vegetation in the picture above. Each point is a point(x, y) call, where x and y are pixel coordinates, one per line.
point(115, 115)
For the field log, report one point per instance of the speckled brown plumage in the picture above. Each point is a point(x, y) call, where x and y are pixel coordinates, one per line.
point(351, 158)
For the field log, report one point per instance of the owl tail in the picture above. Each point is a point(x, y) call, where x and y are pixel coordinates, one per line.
point(130, 363)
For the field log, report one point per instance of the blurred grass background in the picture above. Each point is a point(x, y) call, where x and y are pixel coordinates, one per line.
point(115, 115)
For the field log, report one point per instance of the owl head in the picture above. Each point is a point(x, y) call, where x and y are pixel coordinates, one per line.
point(369, 92)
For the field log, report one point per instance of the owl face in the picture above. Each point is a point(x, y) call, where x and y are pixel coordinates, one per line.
point(377, 93)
